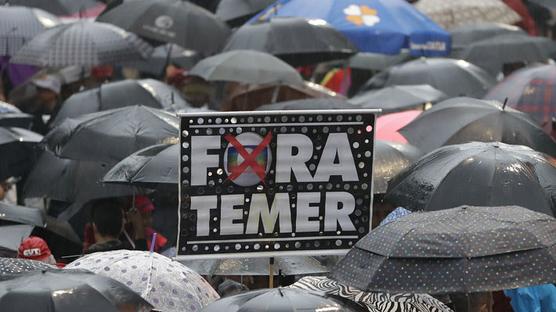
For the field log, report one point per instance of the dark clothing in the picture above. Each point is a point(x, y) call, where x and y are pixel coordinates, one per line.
point(116, 244)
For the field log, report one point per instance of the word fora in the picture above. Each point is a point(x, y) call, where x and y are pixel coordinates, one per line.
point(293, 151)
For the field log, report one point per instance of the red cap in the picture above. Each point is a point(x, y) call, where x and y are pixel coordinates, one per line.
point(34, 248)
point(143, 203)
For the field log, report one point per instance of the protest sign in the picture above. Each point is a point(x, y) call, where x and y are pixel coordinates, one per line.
point(274, 183)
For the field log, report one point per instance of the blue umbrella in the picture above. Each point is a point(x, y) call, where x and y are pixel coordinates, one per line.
point(378, 26)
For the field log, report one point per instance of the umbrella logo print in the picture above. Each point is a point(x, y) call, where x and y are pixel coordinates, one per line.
point(247, 158)
point(361, 15)
point(164, 22)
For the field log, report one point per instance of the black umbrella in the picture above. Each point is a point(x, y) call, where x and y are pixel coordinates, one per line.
point(56, 7)
point(17, 120)
point(148, 167)
point(398, 98)
point(17, 151)
point(481, 174)
point(246, 66)
point(376, 61)
point(281, 299)
point(83, 43)
point(307, 104)
point(68, 290)
point(492, 53)
point(171, 21)
point(296, 41)
point(23, 215)
point(70, 180)
point(464, 249)
point(465, 35)
point(257, 266)
point(164, 55)
point(147, 92)
point(109, 136)
point(462, 120)
point(20, 24)
point(13, 266)
point(390, 159)
point(453, 77)
point(237, 12)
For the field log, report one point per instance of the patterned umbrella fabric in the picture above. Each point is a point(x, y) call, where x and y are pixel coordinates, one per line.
point(481, 174)
point(455, 13)
point(68, 291)
point(296, 41)
point(282, 299)
point(453, 77)
point(171, 21)
point(110, 136)
point(462, 120)
point(83, 43)
point(56, 7)
point(531, 90)
point(373, 301)
point(464, 249)
point(166, 284)
point(379, 26)
point(12, 266)
point(20, 24)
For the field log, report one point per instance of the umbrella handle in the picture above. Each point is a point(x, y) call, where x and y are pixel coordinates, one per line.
point(153, 242)
point(271, 272)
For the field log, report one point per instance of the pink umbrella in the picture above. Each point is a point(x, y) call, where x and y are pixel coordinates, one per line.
point(387, 126)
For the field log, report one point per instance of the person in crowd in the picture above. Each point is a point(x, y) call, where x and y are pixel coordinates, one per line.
point(108, 226)
point(35, 248)
point(145, 207)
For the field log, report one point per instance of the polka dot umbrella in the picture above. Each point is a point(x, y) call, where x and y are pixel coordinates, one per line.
point(465, 249)
point(166, 284)
point(12, 266)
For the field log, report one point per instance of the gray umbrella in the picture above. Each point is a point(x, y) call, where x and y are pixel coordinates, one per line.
point(492, 53)
point(20, 24)
point(70, 180)
point(56, 7)
point(111, 135)
point(307, 104)
point(236, 12)
point(257, 266)
point(17, 151)
point(468, 34)
point(23, 215)
point(163, 56)
point(246, 66)
point(464, 249)
point(376, 61)
point(390, 159)
point(453, 77)
point(83, 43)
point(171, 21)
point(398, 98)
point(480, 174)
point(147, 92)
point(296, 41)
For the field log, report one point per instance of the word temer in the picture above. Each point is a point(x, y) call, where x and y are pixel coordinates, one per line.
point(304, 215)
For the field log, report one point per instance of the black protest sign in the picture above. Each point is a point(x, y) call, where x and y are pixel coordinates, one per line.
point(274, 183)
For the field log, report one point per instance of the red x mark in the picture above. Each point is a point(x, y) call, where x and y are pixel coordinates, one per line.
point(249, 160)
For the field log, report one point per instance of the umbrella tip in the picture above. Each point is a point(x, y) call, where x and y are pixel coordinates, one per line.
point(280, 291)
point(505, 103)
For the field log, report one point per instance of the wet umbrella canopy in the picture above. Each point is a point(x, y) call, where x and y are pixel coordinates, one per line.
point(236, 12)
point(248, 67)
point(324, 103)
point(468, 34)
point(481, 174)
point(83, 43)
point(68, 291)
point(462, 120)
point(282, 299)
point(168, 285)
point(112, 135)
point(296, 41)
point(56, 7)
point(11, 266)
point(453, 77)
point(464, 249)
point(17, 151)
point(23, 215)
point(390, 159)
point(146, 92)
point(398, 98)
point(171, 21)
